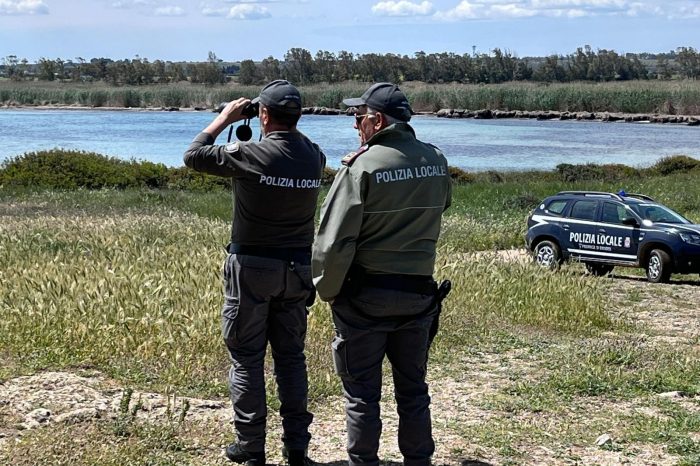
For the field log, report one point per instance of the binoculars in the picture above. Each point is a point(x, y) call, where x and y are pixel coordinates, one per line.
point(249, 111)
point(243, 132)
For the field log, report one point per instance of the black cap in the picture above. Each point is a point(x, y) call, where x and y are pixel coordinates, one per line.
point(386, 98)
point(280, 95)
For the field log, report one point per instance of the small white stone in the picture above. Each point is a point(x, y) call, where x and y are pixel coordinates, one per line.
point(603, 440)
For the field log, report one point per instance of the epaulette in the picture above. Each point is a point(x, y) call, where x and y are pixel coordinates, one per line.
point(435, 147)
point(352, 156)
point(232, 147)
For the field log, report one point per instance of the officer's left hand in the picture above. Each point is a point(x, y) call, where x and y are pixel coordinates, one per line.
point(232, 111)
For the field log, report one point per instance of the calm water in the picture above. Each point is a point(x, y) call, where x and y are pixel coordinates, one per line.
point(474, 145)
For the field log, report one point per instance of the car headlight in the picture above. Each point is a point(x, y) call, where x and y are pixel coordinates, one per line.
point(690, 238)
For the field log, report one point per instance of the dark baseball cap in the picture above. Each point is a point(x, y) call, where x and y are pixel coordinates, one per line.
point(280, 95)
point(386, 98)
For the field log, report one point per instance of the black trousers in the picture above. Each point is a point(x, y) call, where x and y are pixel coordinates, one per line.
point(265, 302)
point(370, 324)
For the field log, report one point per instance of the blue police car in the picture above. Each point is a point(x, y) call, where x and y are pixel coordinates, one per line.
point(603, 230)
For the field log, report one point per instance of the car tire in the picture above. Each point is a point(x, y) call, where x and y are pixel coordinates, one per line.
point(547, 254)
point(599, 270)
point(659, 266)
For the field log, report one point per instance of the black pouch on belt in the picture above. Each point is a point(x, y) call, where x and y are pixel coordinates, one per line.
point(442, 291)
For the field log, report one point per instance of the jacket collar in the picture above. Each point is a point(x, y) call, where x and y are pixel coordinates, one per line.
point(392, 130)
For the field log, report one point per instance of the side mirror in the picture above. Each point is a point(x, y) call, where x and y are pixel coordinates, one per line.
point(631, 221)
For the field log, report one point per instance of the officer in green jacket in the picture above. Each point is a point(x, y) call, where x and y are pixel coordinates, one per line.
point(373, 259)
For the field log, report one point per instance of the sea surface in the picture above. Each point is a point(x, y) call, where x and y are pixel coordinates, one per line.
point(474, 145)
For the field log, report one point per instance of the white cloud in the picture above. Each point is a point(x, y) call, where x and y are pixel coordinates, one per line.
point(579, 3)
point(169, 11)
point(403, 8)
point(126, 4)
point(574, 13)
point(505, 9)
point(207, 11)
point(465, 10)
point(512, 10)
point(689, 10)
point(23, 7)
point(248, 11)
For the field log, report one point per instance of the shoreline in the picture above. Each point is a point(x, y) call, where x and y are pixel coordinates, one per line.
point(542, 115)
point(482, 114)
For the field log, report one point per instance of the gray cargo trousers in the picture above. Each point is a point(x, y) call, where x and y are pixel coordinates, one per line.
point(384, 326)
point(265, 301)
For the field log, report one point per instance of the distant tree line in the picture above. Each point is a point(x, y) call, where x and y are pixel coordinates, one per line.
point(301, 67)
point(135, 71)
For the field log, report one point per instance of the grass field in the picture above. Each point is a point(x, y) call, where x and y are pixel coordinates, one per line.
point(126, 284)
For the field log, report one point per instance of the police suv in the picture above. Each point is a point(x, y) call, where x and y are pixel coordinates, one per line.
point(603, 230)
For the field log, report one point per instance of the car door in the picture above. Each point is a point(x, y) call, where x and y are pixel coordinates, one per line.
point(580, 240)
point(616, 241)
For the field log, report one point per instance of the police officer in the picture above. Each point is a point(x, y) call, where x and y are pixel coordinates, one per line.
point(373, 259)
point(267, 273)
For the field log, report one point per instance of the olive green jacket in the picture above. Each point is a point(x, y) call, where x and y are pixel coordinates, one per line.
point(383, 210)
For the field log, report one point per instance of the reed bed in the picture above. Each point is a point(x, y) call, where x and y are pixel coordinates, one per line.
point(667, 97)
point(679, 97)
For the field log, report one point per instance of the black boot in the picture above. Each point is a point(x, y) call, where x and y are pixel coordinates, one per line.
point(235, 453)
point(296, 457)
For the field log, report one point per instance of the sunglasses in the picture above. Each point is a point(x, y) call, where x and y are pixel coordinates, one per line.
point(359, 118)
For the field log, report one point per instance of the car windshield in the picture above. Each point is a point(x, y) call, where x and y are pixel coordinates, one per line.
point(658, 213)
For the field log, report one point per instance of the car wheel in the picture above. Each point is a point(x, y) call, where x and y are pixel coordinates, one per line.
point(548, 254)
point(599, 270)
point(659, 266)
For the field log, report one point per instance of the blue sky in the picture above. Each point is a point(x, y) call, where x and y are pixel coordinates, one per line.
point(240, 29)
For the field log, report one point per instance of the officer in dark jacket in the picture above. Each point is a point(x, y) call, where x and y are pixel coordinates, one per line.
point(373, 259)
point(267, 273)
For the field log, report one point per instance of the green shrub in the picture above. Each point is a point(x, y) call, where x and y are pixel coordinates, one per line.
point(460, 176)
point(66, 169)
point(186, 178)
point(590, 171)
point(328, 175)
point(675, 164)
point(149, 174)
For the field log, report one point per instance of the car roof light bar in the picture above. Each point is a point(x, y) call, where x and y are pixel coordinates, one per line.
point(640, 196)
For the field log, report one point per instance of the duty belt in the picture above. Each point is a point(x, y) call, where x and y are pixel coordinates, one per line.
point(420, 284)
point(299, 255)
point(359, 277)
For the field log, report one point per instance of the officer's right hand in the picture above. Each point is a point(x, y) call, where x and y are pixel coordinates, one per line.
point(232, 111)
